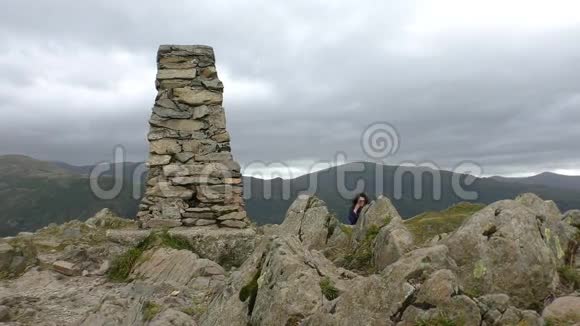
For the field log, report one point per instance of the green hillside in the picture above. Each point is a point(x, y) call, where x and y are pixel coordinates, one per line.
point(35, 193)
point(427, 225)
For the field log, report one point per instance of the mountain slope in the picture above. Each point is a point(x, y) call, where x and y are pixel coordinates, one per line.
point(35, 193)
point(24, 166)
point(488, 190)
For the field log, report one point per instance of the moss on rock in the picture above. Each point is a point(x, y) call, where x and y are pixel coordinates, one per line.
point(122, 265)
point(328, 289)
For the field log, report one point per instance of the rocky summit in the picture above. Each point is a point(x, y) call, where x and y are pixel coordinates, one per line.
point(192, 258)
point(514, 262)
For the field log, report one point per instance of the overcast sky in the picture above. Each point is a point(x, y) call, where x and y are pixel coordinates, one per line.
point(496, 82)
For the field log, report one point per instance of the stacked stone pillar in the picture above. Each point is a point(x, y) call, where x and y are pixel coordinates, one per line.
point(193, 179)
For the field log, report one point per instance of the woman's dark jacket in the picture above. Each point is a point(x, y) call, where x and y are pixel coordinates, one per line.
point(353, 216)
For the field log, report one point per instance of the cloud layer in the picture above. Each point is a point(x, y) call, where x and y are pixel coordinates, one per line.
point(492, 82)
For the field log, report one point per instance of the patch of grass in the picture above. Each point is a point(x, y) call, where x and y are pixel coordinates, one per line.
point(427, 225)
point(328, 289)
point(167, 240)
point(122, 265)
point(250, 291)
point(116, 223)
point(194, 310)
point(473, 291)
point(440, 320)
point(150, 310)
point(191, 310)
point(346, 230)
point(387, 220)
point(361, 258)
point(197, 306)
point(4, 275)
point(562, 321)
point(570, 276)
point(294, 320)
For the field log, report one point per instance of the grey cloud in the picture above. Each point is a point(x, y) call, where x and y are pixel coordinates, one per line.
point(505, 99)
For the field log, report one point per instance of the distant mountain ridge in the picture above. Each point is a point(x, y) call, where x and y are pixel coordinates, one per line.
point(21, 165)
point(548, 179)
point(35, 193)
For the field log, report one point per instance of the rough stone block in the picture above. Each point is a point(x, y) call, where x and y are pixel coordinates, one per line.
point(195, 96)
point(66, 268)
point(176, 74)
point(234, 224)
point(237, 216)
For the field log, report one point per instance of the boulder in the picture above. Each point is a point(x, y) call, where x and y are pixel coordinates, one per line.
point(366, 302)
point(377, 214)
point(129, 238)
point(121, 306)
point(382, 299)
point(66, 268)
point(226, 246)
point(227, 307)
point(502, 249)
point(556, 233)
point(178, 268)
point(392, 241)
point(563, 311)
point(105, 218)
point(289, 284)
point(309, 219)
point(280, 284)
point(340, 243)
point(572, 217)
point(547, 208)
point(405, 276)
point(439, 299)
point(6, 254)
point(493, 306)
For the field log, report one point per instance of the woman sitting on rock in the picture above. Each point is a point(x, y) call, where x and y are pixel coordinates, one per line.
point(357, 205)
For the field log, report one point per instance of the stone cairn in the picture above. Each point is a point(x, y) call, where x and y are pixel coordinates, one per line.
point(193, 179)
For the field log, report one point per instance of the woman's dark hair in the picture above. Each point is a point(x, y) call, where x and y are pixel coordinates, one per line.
point(355, 200)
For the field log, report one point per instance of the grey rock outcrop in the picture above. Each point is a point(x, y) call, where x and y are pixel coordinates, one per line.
point(495, 269)
point(278, 285)
point(572, 217)
point(227, 247)
point(309, 219)
point(563, 311)
point(174, 318)
point(377, 214)
point(504, 249)
point(378, 239)
point(557, 234)
point(392, 241)
point(193, 179)
point(178, 268)
point(6, 255)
